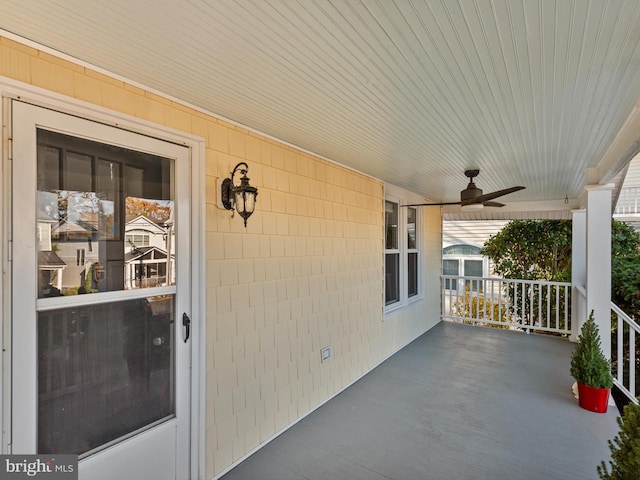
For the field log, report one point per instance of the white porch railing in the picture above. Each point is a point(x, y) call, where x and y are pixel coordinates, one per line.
point(507, 303)
point(625, 362)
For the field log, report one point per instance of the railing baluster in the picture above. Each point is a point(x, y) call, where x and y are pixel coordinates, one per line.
point(515, 302)
point(632, 362)
point(567, 324)
point(549, 290)
point(528, 290)
point(620, 347)
point(500, 301)
point(541, 321)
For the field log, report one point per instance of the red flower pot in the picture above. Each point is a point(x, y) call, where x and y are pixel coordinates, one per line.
point(593, 399)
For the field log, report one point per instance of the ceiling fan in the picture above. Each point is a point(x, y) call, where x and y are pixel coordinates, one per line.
point(472, 197)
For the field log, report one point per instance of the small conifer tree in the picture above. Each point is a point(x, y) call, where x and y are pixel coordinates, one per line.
point(625, 448)
point(589, 366)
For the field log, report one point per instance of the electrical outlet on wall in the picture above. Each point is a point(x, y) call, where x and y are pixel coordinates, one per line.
point(326, 353)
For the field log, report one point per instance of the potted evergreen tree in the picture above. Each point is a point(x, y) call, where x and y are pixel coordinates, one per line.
point(591, 369)
point(625, 448)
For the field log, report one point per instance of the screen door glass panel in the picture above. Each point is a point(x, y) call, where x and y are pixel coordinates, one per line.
point(104, 372)
point(105, 223)
point(105, 218)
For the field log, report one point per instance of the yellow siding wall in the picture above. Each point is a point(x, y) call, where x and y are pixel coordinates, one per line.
point(306, 273)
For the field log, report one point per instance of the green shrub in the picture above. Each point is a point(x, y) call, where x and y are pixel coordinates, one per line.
point(625, 448)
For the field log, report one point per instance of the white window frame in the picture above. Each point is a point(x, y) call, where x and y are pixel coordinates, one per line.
point(393, 251)
point(403, 251)
point(415, 250)
point(145, 239)
point(462, 259)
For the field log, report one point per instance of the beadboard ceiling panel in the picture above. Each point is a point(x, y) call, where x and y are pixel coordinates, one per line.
point(413, 92)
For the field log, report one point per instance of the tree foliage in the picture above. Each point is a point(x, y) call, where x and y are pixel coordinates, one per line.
point(541, 250)
point(625, 448)
point(158, 211)
point(625, 268)
point(625, 283)
point(625, 241)
point(532, 250)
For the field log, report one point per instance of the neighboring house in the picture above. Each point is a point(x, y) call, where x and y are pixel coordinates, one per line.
point(146, 245)
point(462, 242)
point(463, 260)
point(50, 265)
point(143, 232)
point(77, 246)
point(627, 207)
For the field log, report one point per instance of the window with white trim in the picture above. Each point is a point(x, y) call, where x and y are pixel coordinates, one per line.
point(402, 266)
point(412, 252)
point(139, 238)
point(463, 260)
point(391, 254)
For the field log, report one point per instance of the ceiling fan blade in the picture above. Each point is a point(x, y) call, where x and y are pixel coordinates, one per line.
point(493, 204)
point(430, 204)
point(492, 195)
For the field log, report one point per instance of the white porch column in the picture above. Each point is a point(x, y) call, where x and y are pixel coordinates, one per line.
point(578, 271)
point(598, 271)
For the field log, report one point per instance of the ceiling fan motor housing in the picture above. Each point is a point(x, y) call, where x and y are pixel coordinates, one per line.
point(470, 193)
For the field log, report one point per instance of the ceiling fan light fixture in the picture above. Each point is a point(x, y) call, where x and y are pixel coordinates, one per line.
point(472, 206)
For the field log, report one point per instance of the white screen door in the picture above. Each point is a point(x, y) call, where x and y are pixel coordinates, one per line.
point(101, 296)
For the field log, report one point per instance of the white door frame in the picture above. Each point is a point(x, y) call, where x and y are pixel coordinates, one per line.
point(10, 89)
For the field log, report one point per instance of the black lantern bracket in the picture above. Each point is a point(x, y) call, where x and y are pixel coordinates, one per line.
point(239, 198)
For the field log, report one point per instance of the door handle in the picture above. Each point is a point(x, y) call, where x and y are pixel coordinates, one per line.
point(186, 322)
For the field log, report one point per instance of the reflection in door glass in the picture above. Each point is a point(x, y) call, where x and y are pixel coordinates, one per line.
point(104, 372)
point(149, 243)
point(105, 217)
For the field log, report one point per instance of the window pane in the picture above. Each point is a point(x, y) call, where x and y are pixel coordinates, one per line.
point(48, 168)
point(411, 228)
point(392, 278)
point(108, 181)
point(461, 250)
point(104, 372)
point(473, 268)
point(412, 274)
point(391, 225)
point(450, 267)
point(77, 172)
point(90, 196)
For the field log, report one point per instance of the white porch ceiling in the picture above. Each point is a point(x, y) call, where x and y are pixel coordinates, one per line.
point(413, 92)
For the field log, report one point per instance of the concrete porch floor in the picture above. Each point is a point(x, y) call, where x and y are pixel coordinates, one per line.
point(460, 402)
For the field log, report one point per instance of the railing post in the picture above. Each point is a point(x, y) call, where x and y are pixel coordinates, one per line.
point(599, 260)
point(578, 270)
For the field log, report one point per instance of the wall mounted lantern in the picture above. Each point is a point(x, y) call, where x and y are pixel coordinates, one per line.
point(239, 198)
